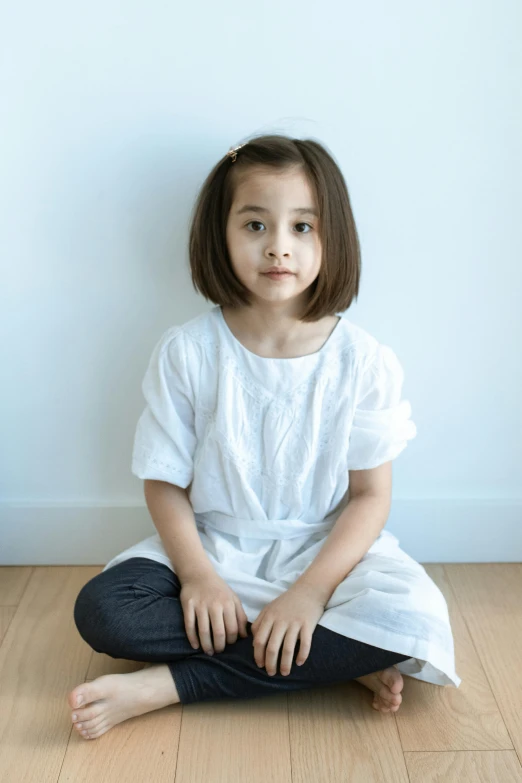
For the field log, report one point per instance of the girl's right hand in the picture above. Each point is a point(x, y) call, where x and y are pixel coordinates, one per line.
point(207, 596)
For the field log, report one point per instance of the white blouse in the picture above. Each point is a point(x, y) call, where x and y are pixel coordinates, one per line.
point(265, 446)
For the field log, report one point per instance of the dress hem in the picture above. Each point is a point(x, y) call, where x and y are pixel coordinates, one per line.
point(426, 665)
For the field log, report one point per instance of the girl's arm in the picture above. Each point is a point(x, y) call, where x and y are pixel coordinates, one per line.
point(173, 517)
point(355, 530)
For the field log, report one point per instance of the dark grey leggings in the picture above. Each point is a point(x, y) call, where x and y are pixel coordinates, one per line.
point(133, 611)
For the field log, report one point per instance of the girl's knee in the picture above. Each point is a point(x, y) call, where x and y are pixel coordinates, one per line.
point(94, 613)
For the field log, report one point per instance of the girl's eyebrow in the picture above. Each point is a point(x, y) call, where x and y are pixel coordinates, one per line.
point(254, 208)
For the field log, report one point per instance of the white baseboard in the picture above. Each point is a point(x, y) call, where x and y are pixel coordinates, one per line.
point(429, 530)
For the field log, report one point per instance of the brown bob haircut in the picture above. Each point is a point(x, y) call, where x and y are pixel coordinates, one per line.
point(212, 273)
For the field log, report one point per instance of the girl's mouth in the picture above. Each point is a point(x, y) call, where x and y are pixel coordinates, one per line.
point(277, 275)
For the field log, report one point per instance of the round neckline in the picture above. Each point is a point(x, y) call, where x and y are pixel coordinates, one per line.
point(234, 339)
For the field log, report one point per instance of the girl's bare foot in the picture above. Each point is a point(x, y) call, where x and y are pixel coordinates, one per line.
point(387, 686)
point(113, 698)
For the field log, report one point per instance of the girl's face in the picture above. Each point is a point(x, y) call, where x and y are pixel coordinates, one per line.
point(272, 223)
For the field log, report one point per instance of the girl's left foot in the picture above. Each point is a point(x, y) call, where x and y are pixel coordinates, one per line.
point(113, 698)
point(387, 686)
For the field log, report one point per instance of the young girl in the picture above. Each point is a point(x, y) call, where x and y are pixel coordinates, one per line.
point(266, 448)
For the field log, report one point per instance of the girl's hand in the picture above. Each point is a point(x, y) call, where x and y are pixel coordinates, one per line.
point(294, 613)
point(208, 599)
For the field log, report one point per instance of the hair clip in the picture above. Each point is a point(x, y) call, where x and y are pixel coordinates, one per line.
point(233, 152)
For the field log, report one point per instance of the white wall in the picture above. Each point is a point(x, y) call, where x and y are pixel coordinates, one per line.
point(116, 111)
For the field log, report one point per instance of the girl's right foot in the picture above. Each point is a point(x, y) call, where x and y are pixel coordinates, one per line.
point(113, 698)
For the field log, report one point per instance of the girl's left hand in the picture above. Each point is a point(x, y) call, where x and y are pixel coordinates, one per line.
point(294, 613)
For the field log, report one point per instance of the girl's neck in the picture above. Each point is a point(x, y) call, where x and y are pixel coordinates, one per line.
point(278, 338)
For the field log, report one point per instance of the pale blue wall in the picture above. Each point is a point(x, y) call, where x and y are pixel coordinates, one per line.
point(114, 112)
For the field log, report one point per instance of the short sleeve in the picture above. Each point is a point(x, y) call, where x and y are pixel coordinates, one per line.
point(381, 425)
point(165, 438)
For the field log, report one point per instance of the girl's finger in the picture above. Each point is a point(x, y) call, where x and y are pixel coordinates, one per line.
point(218, 628)
point(273, 647)
point(243, 621)
point(230, 621)
point(257, 622)
point(288, 649)
point(260, 641)
point(204, 630)
point(304, 647)
point(190, 625)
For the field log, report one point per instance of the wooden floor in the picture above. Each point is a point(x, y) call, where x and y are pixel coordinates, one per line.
point(323, 735)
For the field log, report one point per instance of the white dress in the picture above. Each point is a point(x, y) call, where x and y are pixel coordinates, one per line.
point(266, 445)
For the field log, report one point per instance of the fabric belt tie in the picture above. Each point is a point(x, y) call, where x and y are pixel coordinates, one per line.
point(264, 528)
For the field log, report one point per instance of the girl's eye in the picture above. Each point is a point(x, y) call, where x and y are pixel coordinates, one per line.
point(258, 222)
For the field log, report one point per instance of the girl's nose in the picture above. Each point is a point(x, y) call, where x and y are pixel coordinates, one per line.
point(279, 244)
